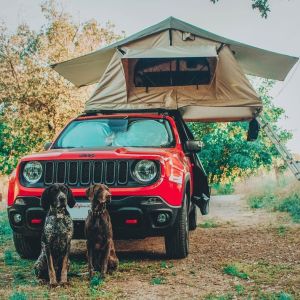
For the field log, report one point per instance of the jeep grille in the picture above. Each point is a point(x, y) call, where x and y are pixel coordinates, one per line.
point(84, 173)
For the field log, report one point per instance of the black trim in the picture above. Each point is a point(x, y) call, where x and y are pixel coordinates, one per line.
point(143, 208)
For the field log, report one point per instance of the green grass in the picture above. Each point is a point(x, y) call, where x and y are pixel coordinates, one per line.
point(158, 280)
point(274, 296)
point(233, 271)
point(18, 296)
point(283, 200)
point(282, 230)
point(291, 204)
point(240, 289)
point(223, 189)
point(227, 296)
point(5, 230)
point(209, 224)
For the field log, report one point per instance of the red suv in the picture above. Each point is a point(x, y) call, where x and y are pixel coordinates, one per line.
point(147, 158)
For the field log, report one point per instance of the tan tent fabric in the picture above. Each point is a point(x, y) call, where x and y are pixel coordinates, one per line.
point(226, 95)
point(228, 89)
point(89, 68)
point(172, 51)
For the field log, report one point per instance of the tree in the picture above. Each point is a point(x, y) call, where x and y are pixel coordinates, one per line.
point(263, 6)
point(35, 102)
point(227, 155)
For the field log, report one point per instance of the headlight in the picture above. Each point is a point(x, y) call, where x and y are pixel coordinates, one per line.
point(32, 171)
point(144, 171)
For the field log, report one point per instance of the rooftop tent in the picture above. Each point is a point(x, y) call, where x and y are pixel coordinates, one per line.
point(176, 65)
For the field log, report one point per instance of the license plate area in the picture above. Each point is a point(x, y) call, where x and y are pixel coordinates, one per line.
point(80, 211)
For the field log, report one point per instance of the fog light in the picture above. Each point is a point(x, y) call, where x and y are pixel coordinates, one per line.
point(20, 201)
point(162, 218)
point(17, 218)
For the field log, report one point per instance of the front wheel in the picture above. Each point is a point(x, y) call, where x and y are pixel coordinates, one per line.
point(27, 247)
point(177, 241)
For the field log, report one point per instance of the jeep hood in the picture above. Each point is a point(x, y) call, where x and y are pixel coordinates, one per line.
point(103, 153)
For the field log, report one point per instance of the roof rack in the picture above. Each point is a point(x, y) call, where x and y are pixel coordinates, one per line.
point(119, 111)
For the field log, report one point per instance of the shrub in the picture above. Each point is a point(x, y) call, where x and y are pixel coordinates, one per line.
point(291, 204)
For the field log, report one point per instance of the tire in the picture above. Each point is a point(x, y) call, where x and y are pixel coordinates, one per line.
point(27, 247)
point(177, 241)
point(193, 218)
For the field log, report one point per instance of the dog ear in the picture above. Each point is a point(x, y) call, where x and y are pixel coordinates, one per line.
point(88, 191)
point(45, 199)
point(70, 199)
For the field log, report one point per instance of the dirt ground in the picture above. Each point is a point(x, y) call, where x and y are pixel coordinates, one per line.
point(242, 237)
point(263, 245)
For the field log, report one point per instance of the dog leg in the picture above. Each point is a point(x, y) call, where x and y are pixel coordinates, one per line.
point(51, 270)
point(64, 269)
point(90, 260)
point(104, 260)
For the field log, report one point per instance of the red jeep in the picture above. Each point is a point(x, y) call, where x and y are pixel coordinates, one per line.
point(147, 158)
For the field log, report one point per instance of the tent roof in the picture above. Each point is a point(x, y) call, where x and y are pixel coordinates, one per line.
point(88, 69)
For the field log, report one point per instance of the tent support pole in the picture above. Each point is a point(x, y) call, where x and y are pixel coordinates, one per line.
point(170, 37)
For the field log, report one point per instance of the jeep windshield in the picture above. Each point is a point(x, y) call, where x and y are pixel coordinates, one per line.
point(116, 132)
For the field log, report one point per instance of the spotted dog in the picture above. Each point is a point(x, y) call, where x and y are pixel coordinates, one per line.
point(101, 253)
point(53, 261)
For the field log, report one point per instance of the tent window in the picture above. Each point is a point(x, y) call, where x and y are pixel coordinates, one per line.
point(159, 72)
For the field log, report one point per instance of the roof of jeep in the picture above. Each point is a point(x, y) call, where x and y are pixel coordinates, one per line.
point(120, 115)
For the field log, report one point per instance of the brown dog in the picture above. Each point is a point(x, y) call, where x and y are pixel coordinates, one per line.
point(98, 230)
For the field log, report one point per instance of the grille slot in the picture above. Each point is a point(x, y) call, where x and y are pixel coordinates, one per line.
point(73, 172)
point(123, 172)
point(85, 172)
point(49, 172)
point(61, 172)
point(110, 172)
point(98, 171)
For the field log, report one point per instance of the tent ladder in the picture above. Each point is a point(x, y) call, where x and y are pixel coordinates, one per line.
point(283, 151)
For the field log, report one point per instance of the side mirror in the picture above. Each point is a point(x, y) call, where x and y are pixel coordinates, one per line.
point(253, 130)
point(47, 145)
point(193, 146)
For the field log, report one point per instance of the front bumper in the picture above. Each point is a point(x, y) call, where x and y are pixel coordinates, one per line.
point(133, 217)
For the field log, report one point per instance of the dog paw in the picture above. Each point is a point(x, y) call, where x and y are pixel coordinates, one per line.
point(64, 283)
point(53, 284)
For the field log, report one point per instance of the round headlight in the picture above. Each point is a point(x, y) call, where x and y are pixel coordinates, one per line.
point(145, 171)
point(32, 171)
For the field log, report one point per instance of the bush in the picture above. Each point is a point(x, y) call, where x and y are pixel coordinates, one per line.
point(291, 204)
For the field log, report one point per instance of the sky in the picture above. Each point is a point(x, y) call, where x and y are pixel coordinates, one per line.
point(233, 19)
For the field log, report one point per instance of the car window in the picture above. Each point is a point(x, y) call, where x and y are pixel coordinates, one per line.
point(129, 132)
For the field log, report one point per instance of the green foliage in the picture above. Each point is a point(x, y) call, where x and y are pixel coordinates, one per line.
point(35, 102)
point(18, 296)
point(233, 271)
point(223, 189)
point(275, 296)
point(227, 296)
point(291, 204)
point(227, 155)
point(8, 258)
point(208, 224)
point(240, 289)
point(282, 230)
point(5, 230)
point(96, 281)
point(158, 280)
point(287, 201)
point(262, 201)
point(262, 6)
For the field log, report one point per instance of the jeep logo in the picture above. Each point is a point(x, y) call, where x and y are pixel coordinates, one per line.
point(86, 155)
